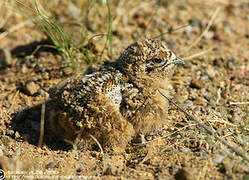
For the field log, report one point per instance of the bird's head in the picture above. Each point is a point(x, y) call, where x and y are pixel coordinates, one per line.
point(151, 58)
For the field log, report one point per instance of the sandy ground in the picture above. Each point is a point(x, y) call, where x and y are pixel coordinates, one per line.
point(214, 87)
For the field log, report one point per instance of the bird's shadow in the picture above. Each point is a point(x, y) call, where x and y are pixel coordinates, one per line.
point(27, 123)
point(34, 48)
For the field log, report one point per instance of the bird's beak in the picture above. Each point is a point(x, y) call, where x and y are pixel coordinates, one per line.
point(177, 61)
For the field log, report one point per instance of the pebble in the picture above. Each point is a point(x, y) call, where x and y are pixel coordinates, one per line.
point(230, 63)
point(183, 150)
point(67, 71)
point(237, 110)
point(211, 72)
point(24, 69)
point(52, 165)
point(178, 136)
point(204, 77)
point(4, 132)
point(10, 132)
point(80, 169)
point(5, 57)
point(209, 35)
point(189, 103)
point(46, 76)
point(31, 88)
point(19, 151)
point(236, 118)
point(218, 159)
point(17, 135)
point(196, 84)
point(41, 92)
point(6, 105)
point(188, 29)
point(40, 69)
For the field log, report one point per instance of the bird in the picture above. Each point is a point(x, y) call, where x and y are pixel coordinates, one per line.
point(117, 101)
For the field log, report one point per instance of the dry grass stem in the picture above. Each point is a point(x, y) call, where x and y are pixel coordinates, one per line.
point(100, 147)
point(14, 28)
point(197, 54)
point(210, 23)
point(238, 103)
point(171, 30)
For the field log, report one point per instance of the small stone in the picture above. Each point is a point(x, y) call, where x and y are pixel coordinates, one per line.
point(196, 84)
point(17, 135)
point(204, 77)
point(188, 29)
point(45, 76)
point(178, 136)
point(237, 110)
point(80, 169)
point(41, 92)
point(6, 105)
point(67, 71)
point(5, 57)
point(183, 150)
point(24, 69)
point(52, 165)
point(209, 35)
point(236, 118)
point(39, 69)
point(230, 63)
point(211, 72)
point(4, 132)
point(218, 159)
point(189, 103)
point(19, 151)
point(10, 132)
point(31, 88)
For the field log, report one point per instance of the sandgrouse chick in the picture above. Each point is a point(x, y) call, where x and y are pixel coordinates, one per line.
point(116, 102)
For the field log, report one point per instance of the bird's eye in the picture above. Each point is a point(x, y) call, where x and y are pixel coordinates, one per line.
point(158, 60)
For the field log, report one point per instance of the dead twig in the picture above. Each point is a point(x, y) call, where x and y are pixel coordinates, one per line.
point(100, 147)
point(191, 117)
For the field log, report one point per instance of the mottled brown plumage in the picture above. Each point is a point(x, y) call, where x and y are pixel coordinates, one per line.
point(117, 101)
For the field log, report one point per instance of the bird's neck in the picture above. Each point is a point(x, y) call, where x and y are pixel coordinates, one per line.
point(146, 85)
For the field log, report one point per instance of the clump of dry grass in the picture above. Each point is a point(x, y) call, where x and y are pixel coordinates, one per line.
point(76, 56)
